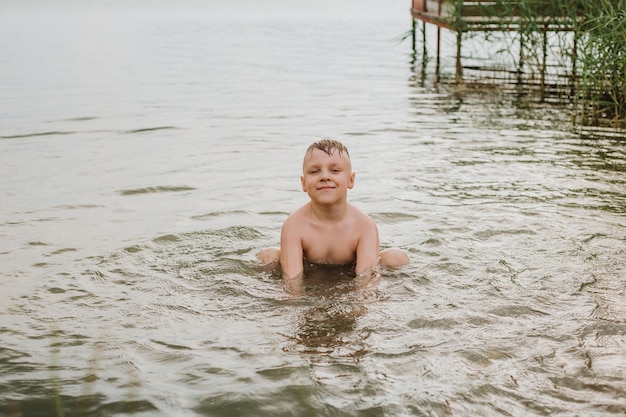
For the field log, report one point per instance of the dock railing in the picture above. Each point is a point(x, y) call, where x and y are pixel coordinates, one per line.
point(463, 16)
point(494, 15)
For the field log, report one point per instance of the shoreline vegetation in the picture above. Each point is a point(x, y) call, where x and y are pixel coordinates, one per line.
point(591, 35)
point(602, 55)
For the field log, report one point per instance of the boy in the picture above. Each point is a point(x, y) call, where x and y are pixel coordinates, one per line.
point(328, 229)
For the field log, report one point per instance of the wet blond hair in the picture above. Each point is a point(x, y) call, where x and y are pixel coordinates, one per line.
point(328, 146)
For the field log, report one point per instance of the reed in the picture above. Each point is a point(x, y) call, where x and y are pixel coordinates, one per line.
point(597, 56)
point(602, 56)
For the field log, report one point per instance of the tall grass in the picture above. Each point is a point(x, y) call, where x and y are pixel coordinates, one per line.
point(598, 54)
point(603, 61)
point(599, 68)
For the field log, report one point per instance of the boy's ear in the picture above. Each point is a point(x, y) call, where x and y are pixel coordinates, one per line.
point(351, 181)
point(302, 182)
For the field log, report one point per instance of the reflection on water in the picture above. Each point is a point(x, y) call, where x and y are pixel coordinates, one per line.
point(322, 329)
point(328, 325)
point(144, 166)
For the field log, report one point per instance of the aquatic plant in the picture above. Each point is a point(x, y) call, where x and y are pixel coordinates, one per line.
point(603, 61)
point(598, 55)
point(591, 35)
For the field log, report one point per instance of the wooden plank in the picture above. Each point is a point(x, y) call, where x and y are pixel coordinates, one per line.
point(483, 15)
point(419, 5)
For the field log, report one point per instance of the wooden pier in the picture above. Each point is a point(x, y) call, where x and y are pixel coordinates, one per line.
point(463, 16)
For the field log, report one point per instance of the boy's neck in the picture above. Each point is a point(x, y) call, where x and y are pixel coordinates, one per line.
point(329, 213)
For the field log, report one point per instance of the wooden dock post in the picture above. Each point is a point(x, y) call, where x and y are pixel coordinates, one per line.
point(544, 58)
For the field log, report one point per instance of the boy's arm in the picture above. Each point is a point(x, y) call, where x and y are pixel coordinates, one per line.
point(368, 249)
point(291, 255)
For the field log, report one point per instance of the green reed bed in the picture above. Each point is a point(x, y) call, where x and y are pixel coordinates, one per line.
point(602, 56)
point(598, 55)
point(593, 47)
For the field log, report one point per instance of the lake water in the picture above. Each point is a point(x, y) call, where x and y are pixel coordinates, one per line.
point(148, 151)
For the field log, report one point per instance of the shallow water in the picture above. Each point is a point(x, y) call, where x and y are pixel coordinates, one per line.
point(147, 153)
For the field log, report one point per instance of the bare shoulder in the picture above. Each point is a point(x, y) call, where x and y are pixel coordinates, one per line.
point(361, 219)
point(297, 218)
point(363, 222)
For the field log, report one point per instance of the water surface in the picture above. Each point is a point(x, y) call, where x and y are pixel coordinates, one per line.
point(147, 153)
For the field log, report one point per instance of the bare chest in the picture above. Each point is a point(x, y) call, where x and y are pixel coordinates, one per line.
point(330, 244)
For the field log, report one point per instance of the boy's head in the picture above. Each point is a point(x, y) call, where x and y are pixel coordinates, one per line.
point(327, 172)
point(329, 146)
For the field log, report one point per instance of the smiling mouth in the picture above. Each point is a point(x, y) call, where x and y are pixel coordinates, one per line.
point(326, 188)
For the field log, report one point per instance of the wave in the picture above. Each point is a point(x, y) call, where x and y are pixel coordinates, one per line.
point(157, 189)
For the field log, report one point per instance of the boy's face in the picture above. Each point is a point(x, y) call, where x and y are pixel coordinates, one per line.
point(326, 178)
